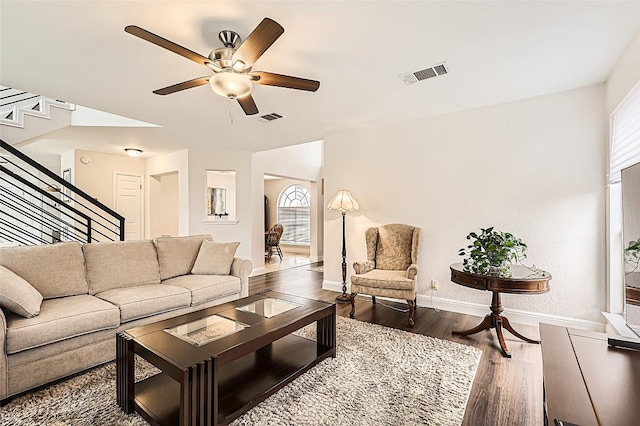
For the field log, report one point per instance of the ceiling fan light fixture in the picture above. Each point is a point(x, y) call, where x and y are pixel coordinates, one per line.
point(230, 84)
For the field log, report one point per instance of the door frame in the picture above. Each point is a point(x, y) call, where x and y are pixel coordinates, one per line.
point(142, 196)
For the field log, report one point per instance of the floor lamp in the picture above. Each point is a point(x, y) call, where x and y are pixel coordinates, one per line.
point(344, 202)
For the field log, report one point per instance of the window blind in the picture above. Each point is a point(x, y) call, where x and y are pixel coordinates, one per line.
point(297, 224)
point(625, 135)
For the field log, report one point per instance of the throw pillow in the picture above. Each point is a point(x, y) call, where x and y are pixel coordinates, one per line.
point(17, 295)
point(215, 258)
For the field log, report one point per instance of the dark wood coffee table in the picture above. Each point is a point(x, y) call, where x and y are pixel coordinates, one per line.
point(208, 382)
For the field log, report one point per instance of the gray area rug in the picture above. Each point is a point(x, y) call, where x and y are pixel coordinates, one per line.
point(381, 376)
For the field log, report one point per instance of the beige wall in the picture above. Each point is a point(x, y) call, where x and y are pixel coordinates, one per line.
point(97, 177)
point(534, 167)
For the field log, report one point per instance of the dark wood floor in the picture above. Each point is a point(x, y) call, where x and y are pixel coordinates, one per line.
point(505, 391)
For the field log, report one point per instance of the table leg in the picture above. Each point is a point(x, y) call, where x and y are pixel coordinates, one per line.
point(508, 326)
point(326, 333)
point(199, 394)
point(486, 324)
point(503, 344)
point(124, 373)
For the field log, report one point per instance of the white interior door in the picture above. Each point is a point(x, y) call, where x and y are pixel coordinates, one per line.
point(129, 204)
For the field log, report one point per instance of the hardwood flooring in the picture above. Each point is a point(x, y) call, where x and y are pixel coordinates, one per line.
point(505, 391)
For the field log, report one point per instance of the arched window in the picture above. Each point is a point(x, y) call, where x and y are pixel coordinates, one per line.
point(294, 214)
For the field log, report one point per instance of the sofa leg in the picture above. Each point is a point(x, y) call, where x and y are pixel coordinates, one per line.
point(352, 314)
point(373, 300)
point(412, 310)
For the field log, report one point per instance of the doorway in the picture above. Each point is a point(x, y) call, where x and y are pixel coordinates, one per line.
point(163, 204)
point(128, 203)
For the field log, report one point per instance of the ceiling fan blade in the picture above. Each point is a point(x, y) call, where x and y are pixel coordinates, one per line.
point(271, 79)
point(256, 43)
point(169, 45)
point(248, 104)
point(182, 86)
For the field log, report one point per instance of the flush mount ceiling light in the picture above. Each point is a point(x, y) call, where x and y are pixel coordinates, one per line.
point(232, 64)
point(133, 152)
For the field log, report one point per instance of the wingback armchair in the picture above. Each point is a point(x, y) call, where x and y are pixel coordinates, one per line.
point(391, 266)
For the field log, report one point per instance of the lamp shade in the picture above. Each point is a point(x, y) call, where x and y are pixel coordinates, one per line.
point(343, 201)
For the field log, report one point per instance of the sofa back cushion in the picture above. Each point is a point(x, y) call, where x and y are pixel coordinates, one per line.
point(176, 255)
point(120, 264)
point(55, 270)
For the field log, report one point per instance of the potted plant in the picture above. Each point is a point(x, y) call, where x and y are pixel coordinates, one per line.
point(492, 252)
point(632, 255)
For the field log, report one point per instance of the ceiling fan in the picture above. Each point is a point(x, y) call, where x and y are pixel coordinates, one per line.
point(231, 64)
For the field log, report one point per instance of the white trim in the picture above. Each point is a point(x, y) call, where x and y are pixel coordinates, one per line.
point(314, 259)
point(219, 222)
point(617, 324)
point(480, 310)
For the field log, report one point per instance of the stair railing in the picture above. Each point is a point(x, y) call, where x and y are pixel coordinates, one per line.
point(39, 207)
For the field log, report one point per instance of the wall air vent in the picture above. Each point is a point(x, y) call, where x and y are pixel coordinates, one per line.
point(433, 71)
point(270, 117)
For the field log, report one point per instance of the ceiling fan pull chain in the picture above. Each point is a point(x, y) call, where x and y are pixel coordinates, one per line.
point(230, 111)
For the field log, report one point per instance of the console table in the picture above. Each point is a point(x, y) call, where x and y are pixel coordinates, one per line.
point(586, 382)
point(522, 281)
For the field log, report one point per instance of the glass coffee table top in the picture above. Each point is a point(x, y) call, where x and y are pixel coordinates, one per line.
point(205, 330)
point(269, 307)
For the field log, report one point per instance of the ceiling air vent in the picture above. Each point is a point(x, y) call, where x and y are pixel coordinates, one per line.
point(433, 71)
point(270, 117)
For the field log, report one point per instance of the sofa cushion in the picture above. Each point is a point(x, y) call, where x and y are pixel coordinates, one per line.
point(176, 255)
point(60, 319)
point(379, 278)
point(120, 264)
point(204, 288)
point(17, 295)
point(215, 258)
point(59, 271)
point(146, 300)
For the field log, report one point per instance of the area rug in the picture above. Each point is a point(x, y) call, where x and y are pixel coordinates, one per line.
point(381, 376)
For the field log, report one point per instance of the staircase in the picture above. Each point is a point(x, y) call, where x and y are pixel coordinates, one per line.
point(39, 207)
point(16, 104)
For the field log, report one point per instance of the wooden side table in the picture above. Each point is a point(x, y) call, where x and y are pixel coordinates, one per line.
point(522, 282)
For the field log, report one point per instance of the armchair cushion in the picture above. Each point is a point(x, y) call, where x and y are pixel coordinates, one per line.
point(379, 278)
point(363, 267)
point(394, 247)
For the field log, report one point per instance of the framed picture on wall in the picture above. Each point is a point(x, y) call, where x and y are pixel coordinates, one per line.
point(66, 193)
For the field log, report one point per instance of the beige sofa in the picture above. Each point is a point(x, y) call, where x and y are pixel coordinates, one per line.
point(93, 291)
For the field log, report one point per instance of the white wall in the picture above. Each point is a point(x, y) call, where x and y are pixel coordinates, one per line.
point(202, 159)
point(170, 163)
point(625, 75)
point(533, 167)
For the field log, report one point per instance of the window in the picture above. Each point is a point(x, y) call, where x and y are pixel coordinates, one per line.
point(624, 151)
point(294, 214)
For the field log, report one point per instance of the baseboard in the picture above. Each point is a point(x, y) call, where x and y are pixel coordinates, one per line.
point(258, 271)
point(480, 310)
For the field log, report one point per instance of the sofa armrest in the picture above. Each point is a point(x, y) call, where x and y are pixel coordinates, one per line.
point(363, 267)
point(4, 375)
point(412, 271)
point(241, 268)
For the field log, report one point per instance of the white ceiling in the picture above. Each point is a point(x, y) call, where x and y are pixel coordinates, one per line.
point(496, 51)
